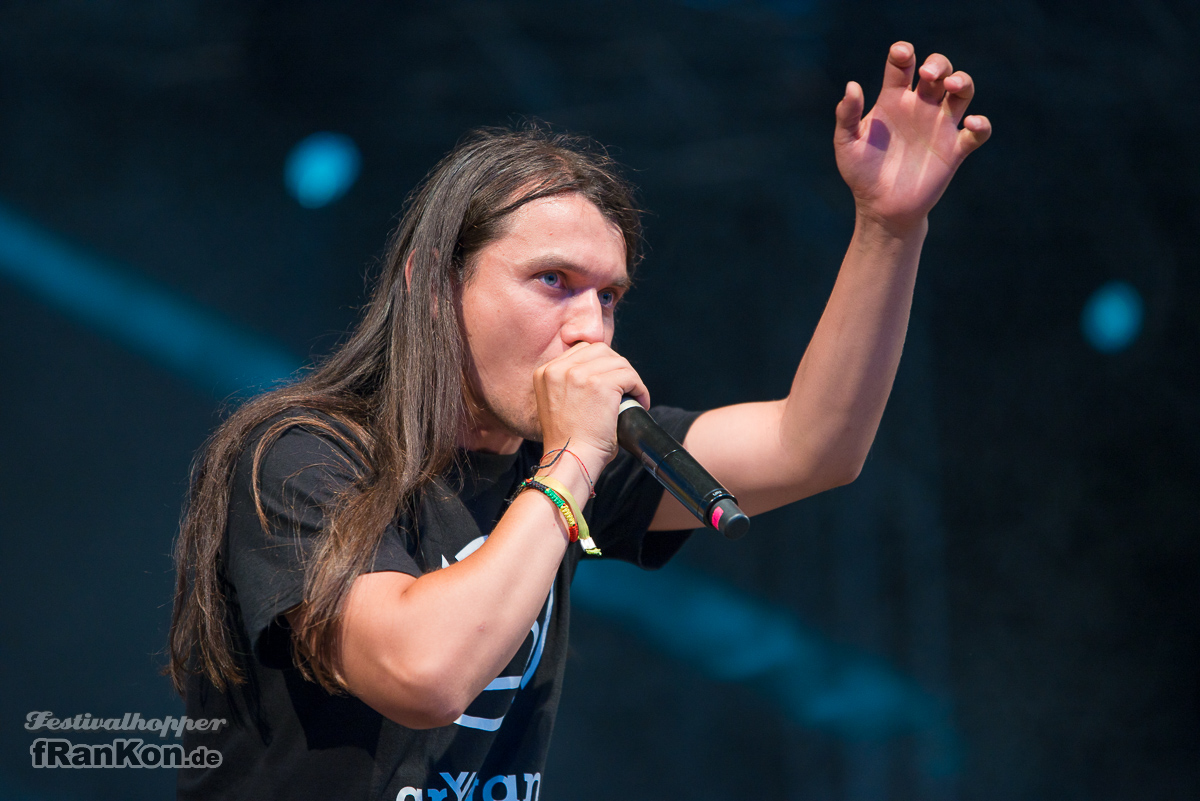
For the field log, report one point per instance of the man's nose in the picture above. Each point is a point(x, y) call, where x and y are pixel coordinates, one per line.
point(585, 319)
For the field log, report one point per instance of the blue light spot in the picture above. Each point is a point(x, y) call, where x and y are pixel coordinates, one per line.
point(321, 168)
point(1112, 317)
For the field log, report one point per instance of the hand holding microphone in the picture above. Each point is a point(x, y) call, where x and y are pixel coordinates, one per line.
point(573, 392)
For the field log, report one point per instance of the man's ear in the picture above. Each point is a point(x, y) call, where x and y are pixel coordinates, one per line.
point(408, 267)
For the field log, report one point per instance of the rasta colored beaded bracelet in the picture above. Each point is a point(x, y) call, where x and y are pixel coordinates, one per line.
point(562, 499)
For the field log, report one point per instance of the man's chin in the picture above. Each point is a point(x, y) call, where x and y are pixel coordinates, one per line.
point(530, 427)
point(529, 431)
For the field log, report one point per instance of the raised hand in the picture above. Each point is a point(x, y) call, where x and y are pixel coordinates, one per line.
point(900, 157)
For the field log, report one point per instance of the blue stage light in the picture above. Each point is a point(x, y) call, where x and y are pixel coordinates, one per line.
point(321, 168)
point(177, 333)
point(733, 637)
point(1112, 317)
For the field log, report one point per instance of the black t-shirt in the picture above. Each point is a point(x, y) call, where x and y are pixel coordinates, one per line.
point(287, 738)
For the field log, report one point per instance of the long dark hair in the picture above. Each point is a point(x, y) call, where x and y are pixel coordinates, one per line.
point(398, 384)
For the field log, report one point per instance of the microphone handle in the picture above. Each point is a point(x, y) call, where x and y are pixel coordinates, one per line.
point(678, 471)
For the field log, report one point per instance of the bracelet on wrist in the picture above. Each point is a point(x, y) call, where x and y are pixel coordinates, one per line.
point(544, 465)
point(568, 507)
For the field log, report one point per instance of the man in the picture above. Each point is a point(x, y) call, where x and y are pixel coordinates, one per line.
point(356, 598)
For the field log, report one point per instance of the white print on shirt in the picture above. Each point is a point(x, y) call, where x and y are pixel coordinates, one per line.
point(539, 629)
point(463, 787)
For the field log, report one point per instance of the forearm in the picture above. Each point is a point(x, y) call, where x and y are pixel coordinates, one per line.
point(841, 387)
point(774, 453)
point(419, 651)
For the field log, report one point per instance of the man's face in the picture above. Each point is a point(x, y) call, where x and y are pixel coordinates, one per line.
point(550, 282)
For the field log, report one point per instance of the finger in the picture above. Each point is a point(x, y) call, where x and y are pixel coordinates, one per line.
point(959, 91)
point(631, 385)
point(641, 395)
point(929, 82)
point(581, 373)
point(849, 113)
point(580, 353)
point(605, 375)
point(556, 370)
point(901, 64)
point(584, 371)
point(585, 362)
point(612, 371)
point(976, 130)
point(583, 351)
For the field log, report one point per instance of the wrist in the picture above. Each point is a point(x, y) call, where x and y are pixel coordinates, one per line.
point(575, 468)
point(877, 228)
point(568, 506)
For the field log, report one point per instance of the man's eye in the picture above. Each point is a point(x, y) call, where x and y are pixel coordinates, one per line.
point(608, 297)
point(551, 279)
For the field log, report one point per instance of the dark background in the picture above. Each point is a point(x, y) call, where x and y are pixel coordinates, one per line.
point(1019, 564)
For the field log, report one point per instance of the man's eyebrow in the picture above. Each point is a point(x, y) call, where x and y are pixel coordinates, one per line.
point(551, 261)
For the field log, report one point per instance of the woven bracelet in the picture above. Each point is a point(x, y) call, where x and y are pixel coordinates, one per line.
point(561, 497)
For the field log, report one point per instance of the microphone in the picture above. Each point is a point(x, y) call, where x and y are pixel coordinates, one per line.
point(678, 471)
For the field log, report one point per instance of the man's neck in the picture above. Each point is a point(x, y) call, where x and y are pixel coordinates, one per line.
point(490, 439)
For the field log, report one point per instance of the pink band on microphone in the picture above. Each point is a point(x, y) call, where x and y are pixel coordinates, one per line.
point(716, 516)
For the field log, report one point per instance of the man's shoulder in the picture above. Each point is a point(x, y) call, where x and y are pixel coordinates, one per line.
point(300, 438)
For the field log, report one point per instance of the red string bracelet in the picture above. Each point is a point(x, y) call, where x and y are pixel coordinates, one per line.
point(587, 476)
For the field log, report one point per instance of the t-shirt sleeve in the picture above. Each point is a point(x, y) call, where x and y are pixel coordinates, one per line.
point(627, 497)
point(300, 476)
